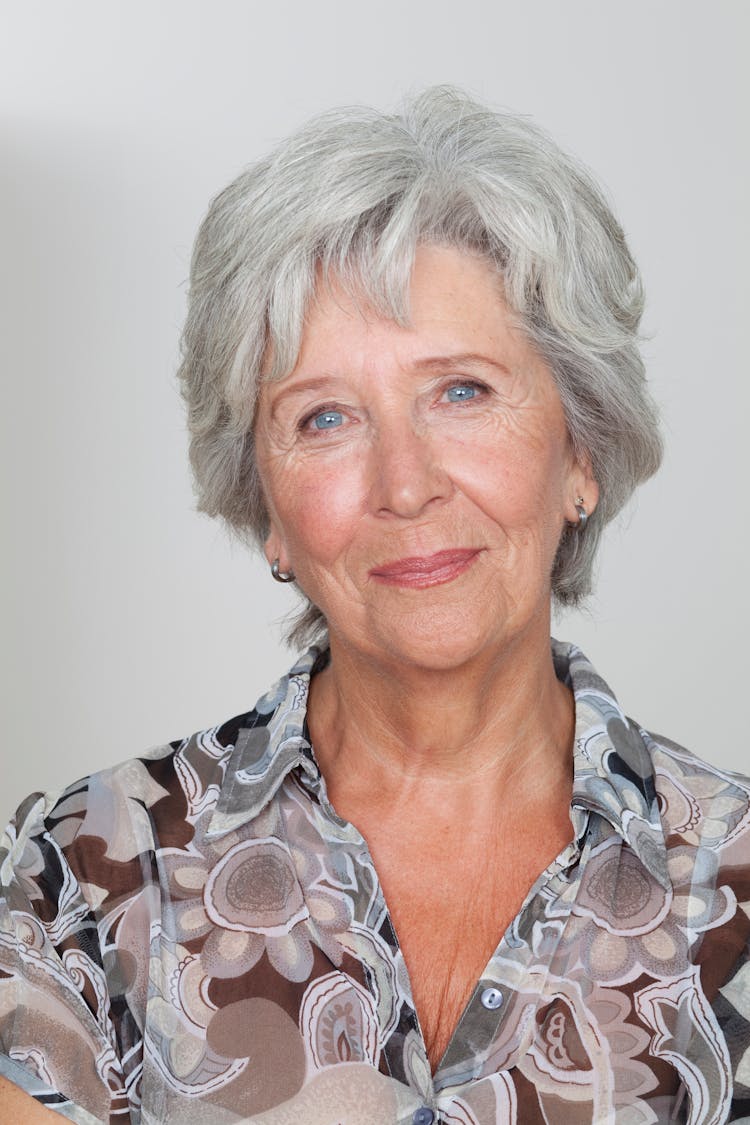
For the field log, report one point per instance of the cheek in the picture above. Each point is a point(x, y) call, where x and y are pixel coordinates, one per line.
point(516, 482)
point(319, 509)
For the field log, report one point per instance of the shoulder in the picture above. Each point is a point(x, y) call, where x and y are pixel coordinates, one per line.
point(143, 805)
point(116, 814)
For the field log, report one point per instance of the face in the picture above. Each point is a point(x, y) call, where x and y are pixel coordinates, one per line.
point(418, 479)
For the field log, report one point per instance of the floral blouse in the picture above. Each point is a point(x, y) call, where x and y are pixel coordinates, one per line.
point(196, 937)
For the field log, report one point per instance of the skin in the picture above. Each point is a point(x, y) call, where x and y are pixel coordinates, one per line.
point(18, 1107)
point(439, 725)
point(440, 706)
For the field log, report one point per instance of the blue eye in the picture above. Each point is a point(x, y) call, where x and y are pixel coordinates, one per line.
point(461, 392)
point(328, 420)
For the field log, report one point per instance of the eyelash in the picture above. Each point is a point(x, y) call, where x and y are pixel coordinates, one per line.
point(475, 384)
point(306, 419)
point(304, 423)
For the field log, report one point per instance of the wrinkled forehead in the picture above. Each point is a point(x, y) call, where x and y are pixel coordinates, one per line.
point(356, 288)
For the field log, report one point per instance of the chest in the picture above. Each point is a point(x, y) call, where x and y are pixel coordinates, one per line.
point(450, 907)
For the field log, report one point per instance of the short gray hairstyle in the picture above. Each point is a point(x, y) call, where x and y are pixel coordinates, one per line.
point(352, 194)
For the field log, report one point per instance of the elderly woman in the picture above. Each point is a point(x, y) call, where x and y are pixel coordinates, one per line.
point(435, 874)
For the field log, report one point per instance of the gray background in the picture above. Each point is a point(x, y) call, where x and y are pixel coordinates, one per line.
point(129, 620)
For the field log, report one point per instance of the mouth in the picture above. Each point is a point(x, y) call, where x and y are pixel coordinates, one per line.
point(422, 571)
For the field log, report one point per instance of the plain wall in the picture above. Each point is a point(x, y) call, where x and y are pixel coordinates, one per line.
point(129, 620)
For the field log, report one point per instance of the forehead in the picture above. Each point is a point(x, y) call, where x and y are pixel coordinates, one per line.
point(454, 305)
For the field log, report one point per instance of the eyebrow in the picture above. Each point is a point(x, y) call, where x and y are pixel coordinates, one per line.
point(314, 383)
point(428, 363)
point(458, 358)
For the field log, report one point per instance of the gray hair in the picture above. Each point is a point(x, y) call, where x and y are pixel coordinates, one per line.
point(352, 193)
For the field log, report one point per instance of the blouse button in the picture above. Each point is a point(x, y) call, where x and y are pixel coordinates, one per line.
point(423, 1116)
point(491, 998)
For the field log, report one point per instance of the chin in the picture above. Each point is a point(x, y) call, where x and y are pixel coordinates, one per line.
point(436, 641)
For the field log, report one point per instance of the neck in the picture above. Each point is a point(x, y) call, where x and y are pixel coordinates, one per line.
point(474, 728)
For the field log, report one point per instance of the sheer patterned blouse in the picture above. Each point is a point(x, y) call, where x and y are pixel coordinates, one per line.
point(196, 936)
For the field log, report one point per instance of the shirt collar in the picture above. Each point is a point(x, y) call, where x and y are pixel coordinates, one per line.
point(613, 773)
point(267, 749)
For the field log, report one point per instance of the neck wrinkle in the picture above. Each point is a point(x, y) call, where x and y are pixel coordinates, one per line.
point(460, 729)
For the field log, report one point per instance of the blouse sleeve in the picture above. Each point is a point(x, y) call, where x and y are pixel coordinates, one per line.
point(56, 1034)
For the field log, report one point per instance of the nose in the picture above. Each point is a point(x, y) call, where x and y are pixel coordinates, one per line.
point(407, 472)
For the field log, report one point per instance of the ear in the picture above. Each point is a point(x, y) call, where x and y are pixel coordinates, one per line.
point(581, 483)
point(275, 548)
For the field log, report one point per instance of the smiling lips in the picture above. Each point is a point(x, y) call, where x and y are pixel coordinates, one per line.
point(423, 571)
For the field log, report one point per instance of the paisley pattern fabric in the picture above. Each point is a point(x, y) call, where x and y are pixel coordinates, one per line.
point(195, 936)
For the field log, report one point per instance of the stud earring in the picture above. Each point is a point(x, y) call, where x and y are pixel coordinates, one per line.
point(281, 575)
